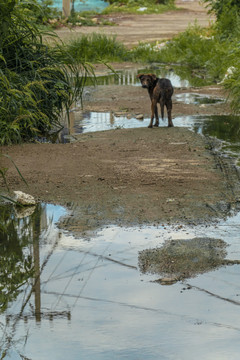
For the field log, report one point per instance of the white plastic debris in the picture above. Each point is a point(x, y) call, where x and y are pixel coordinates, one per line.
point(159, 46)
point(24, 199)
point(142, 8)
point(228, 73)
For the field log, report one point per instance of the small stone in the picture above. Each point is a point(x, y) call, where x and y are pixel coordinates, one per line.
point(167, 281)
point(24, 199)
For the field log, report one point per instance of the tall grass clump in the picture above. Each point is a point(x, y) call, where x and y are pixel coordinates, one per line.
point(94, 47)
point(35, 87)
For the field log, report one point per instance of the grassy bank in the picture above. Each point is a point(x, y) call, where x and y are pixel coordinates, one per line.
point(139, 7)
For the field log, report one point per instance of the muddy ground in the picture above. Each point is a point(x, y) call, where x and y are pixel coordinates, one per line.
point(131, 176)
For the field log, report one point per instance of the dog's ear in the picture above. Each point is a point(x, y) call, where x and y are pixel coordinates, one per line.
point(153, 76)
point(139, 76)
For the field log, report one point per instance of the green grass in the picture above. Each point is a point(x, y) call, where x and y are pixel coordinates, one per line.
point(94, 48)
point(133, 6)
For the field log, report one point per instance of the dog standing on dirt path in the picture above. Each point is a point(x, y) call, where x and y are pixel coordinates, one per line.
point(160, 91)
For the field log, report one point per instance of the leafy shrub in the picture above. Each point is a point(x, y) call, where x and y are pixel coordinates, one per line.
point(228, 24)
point(35, 87)
point(201, 50)
point(218, 7)
point(42, 10)
point(232, 82)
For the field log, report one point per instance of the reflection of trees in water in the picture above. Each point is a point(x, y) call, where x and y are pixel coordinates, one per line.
point(19, 265)
point(22, 232)
point(16, 264)
point(223, 127)
point(179, 75)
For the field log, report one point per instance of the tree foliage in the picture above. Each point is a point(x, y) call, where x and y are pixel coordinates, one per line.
point(218, 7)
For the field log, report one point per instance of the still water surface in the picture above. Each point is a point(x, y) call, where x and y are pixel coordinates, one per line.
point(89, 300)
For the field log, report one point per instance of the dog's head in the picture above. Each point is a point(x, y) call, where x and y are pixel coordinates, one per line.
point(147, 80)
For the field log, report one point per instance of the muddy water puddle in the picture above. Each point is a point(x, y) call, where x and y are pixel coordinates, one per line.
point(91, 298)
point(198, 99)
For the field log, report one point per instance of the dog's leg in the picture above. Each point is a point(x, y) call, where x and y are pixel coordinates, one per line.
point(169, 112)
point(156, 116)
point(153, 106)
point(162, 108)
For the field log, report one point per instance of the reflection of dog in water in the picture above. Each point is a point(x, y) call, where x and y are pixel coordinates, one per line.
point(160, 91)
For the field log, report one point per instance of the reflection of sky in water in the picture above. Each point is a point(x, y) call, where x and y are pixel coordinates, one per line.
point(96, 121)
point(118, 313)
point(55, 212)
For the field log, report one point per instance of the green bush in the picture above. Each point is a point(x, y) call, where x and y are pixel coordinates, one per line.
point(218, 7)
point(201, 50)
point(35, 87)
point(232, 82)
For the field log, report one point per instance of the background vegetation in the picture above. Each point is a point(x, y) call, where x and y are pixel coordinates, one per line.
point(35, 86)
point(139, 6)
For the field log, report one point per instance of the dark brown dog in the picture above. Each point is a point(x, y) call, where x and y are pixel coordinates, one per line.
point(160, 91)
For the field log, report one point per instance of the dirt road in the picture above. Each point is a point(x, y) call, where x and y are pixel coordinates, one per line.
point(132, 29)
